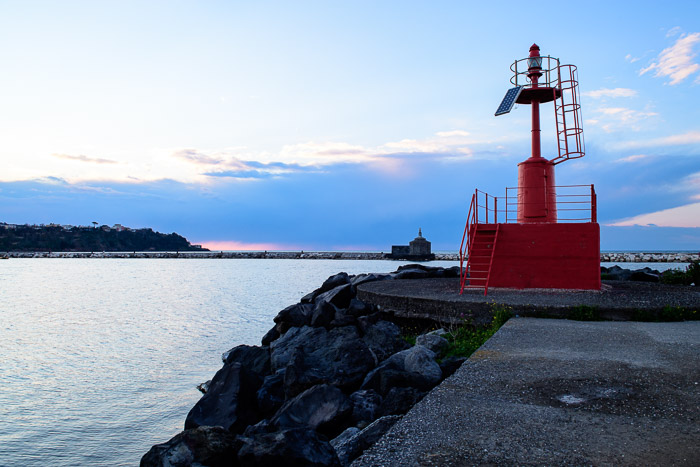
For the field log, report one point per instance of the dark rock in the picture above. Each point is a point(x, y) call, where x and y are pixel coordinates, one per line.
point(451, 364)
point(294, 447)
point(300, 375)
point(384, 339)
point(452, 272)
point(413, 273)
point(414, 367)
point(271, 335)
point(324, 408)
point(388, 374)
point(365, 406)
point(644, 276)
point(344, 436)
point(334, 281)
point(314, 356)
point(260, 428)
point(270, 396)
point(295, 315)
point(349, 448)
point(255, 359)
point(618, 273)
point(359, 308)
point(282, 349)
point(206, 445)
point(433, 342)
point(342, 319)
point(364, 322)
point(398, 401)
point(230, 401)
point(420, 362)
point(309, 297)
point(323, 314)
point(413, 266)
point(204, 387)
point(339, 296)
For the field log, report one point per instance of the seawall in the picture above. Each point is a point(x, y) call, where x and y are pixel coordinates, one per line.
point(615, 257)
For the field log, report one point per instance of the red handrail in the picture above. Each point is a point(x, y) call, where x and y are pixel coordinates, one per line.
point(472, 219)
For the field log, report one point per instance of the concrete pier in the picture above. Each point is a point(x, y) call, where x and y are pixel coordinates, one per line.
point(559, 392)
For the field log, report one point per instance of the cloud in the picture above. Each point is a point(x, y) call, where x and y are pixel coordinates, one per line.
point(674, 31)
point(634, 158)
point(82, 158)
point(197, 157)
point(447, 134)
point(223, 165)
point(631, 59)
point(204, 166)
point(681, 216)
point(232, 245)
point(690, 137)
point(242, 174)
point(611, 119)
point(616, 92)
point(676, 62)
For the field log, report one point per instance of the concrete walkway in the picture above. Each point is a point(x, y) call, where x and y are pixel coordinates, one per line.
point(556, 392)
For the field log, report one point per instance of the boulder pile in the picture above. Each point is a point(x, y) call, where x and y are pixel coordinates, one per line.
point(329, 379)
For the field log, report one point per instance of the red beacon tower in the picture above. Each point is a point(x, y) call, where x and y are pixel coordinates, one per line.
point(548, 236)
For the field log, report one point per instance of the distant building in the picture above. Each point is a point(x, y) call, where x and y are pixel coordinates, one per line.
point(119, 228)
point(416, 250)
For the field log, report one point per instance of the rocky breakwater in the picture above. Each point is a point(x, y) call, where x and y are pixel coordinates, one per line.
point(649, 257)
point(329, 379)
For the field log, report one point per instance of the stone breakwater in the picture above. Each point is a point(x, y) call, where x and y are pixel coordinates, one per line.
point(604, 257)
point(330, 378)
point(649, 257)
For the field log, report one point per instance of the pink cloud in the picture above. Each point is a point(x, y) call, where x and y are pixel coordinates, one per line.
point(222, 245)
point(681, 216)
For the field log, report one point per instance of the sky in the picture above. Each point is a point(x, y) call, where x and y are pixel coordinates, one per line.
point(341, 125)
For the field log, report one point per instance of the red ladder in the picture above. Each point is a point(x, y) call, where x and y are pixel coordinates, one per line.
point(567, 112)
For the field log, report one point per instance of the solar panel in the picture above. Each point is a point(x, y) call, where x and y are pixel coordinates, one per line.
point(509, 100)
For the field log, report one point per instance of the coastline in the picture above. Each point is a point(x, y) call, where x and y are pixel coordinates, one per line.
point(612, 257)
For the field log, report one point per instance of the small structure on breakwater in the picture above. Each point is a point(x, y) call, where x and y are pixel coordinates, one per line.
point(416, 250)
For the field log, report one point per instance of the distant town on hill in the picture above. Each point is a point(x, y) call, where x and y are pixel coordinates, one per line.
point(55, 237)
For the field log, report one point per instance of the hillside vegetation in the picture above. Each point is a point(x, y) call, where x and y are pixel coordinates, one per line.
point(57, 238)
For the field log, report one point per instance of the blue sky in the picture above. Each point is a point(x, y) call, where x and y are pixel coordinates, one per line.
point(337, 125)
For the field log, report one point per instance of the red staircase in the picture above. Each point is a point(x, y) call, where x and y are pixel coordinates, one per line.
point(481, 255)
point(478, 246)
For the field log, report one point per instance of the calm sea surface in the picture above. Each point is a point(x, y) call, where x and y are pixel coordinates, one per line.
point(100, 358)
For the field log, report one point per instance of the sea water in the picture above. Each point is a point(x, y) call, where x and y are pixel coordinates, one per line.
point(100, 358)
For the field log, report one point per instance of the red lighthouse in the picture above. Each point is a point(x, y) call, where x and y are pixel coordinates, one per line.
point(548, 236)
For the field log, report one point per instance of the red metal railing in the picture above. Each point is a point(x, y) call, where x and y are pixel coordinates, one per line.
point(579, 203)
point(467, 240)
point(550, 72)
point(575, 203)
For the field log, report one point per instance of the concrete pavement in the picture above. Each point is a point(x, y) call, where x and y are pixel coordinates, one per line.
point(554, 392)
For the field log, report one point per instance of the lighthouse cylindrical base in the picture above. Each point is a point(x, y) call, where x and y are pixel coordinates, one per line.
point(537, 196)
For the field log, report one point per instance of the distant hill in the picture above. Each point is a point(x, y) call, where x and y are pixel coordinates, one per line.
point(52, 237)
